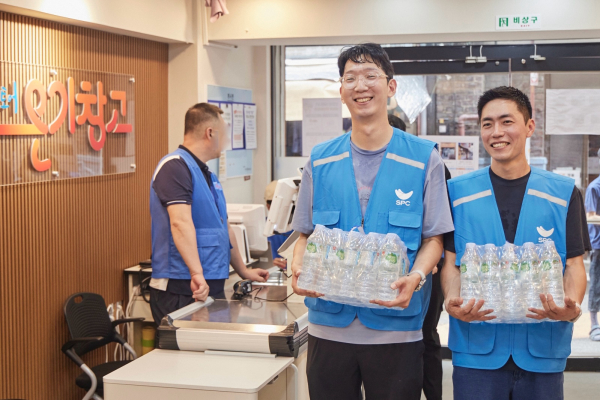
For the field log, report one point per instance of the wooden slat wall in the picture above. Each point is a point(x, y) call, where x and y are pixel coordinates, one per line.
point(58, 238)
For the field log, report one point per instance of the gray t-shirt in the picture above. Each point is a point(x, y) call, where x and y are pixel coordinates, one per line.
point(437, 220)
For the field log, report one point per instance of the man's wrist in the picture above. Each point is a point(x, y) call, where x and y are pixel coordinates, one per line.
point(194, 273)
point(416, 277)
point(579, 312)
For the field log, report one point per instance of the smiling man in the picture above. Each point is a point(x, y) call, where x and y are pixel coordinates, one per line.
point(511, 202)
point(383, 180)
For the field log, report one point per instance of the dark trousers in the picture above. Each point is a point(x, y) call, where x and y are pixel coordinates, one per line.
point(594, 286)
point(336, 370)
point(432, 357)
point(499, 384)
point(179, 295)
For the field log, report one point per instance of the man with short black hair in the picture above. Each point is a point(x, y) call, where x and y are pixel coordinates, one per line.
point(355, 181)
point(191, 237)
point(512, 202)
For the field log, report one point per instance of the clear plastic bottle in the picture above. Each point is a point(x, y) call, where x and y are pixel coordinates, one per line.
point(470, 286)
point(513, 306)
point(312, 262)
point(531, 278)
point(334, 250)
point(552, 273)
point(489, 276)
point(390, 267)
point(366, 270)
point(343, 283)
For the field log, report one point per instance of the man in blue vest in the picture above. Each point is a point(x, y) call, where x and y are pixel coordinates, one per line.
point(192, 242)
point(511, 202)
point(383, 180)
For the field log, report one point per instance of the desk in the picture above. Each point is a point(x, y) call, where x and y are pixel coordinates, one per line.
point(187, 375)
point(131, 382)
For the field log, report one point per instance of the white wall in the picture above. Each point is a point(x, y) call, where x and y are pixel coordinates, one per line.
point(398, 21)
point(192, 67)
point(160, 20)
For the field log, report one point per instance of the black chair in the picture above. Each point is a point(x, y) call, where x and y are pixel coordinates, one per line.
point(91, 328)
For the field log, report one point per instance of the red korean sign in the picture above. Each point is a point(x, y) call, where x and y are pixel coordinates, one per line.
point(58, 123)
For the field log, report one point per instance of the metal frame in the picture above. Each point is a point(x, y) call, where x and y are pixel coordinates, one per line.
point(565, 57)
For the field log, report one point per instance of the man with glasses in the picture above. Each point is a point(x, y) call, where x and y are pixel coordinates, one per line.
point(382, 180)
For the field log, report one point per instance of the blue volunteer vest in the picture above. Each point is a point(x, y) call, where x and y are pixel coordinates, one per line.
point(395, 205)
point(536, 347)
point(209, 220)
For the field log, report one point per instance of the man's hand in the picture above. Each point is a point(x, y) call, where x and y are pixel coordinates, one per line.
point(553, 311)
point(199, 287)
point(406, 286)
point(256, 275)
point(301, 292)
point(280, 263)
point(469, 312)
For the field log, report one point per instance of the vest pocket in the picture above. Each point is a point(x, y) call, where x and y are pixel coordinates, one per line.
point(316, 304)
point(330, 219)
point(471, 338)
point(407, 226)
point(550, 339)
point(208, 249)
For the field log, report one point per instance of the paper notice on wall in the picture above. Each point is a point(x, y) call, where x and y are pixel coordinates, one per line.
point(572, 111)
point(228, 117)
point(250, 125)
point(237, 141)
point(239, 163)
point(321, 121)
point(223, 166)
point(460, 153)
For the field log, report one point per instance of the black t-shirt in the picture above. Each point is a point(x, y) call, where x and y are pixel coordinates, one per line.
point(173, 182)
point(509, 199)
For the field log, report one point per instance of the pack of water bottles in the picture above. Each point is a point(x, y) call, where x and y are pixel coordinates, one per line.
point(351, 267)
point(511, 278)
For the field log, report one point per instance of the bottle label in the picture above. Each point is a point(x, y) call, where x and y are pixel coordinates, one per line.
point(311, 247)
point(340, 254)
point(463, 268)
point(485, 267)
point(546, 265)
point(392, 258)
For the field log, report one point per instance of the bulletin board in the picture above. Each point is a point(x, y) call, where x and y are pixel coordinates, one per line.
point(240, 114)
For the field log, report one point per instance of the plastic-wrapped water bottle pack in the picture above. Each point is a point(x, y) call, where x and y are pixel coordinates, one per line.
point(511, 278)
point(353, 268)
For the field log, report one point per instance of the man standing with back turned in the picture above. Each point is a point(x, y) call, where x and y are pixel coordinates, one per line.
point(353, 181)
point(191, 237)
point(511, 202)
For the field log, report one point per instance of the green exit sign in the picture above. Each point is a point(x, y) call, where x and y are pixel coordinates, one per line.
point(518, 22)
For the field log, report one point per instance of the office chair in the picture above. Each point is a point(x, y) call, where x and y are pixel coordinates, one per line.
point(91, 328)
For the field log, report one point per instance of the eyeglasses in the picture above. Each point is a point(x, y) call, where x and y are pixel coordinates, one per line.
point(369, 80)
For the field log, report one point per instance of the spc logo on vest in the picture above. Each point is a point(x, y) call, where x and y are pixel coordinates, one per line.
point(544, 233)
point(403, 197)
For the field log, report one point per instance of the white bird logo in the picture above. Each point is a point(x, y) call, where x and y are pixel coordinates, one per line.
point(403, 196)
point(543, 232)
